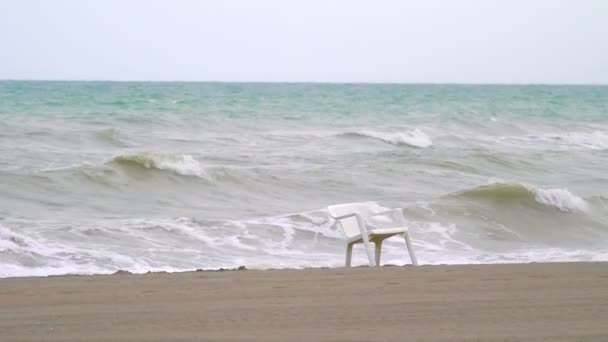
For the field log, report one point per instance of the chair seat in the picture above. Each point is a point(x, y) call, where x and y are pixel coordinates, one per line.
point(379, 232)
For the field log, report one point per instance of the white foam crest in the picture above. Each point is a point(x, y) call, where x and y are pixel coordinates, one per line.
point(414, 138)
point(183, 164)
point(561, 199)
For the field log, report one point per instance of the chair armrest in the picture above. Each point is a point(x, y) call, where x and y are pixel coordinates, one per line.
point(338, 218)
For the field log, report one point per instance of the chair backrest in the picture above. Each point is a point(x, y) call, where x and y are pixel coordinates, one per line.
point(350, 225)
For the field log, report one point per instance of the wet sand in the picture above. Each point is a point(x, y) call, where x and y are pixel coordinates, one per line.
point(555, 301)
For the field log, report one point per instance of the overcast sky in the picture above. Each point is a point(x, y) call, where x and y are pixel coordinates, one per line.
point(449, 41)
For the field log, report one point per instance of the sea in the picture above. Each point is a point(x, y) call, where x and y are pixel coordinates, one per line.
point(97, 177)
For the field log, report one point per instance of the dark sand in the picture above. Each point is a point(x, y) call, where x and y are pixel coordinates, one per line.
point(561, 301)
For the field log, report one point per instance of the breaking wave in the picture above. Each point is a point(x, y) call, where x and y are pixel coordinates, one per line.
point(182, 164)
point(596, 140)
point(414, 138)
point(561, 199)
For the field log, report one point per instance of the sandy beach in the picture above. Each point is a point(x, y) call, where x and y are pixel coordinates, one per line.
point(555, 301)
point(204, 170)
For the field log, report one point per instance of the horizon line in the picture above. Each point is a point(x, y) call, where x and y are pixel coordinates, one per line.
point(307, 82)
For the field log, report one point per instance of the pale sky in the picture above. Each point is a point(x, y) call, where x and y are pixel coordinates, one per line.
point(402, 41)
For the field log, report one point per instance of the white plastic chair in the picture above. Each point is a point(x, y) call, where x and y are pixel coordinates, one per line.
point(354, 219)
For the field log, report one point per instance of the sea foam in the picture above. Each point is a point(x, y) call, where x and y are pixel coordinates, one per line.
point(414, 138)
point(595, 140)
point(561, 199)
point(307, 239)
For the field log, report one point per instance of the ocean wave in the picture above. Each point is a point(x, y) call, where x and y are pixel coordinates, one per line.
point(296, 240)
point(561, 199)
point(596, 140)
point(414, 138)
point(182, 164)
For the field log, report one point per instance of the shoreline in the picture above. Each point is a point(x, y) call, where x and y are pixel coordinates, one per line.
point(536, 301)
point(244, 268)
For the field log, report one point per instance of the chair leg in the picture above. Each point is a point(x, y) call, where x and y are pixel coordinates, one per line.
point(349, 253)
point(368, 249)
point(378, 251)
point(410, 249)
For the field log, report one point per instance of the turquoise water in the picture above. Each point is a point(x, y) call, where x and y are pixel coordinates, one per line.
point(101, 176)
